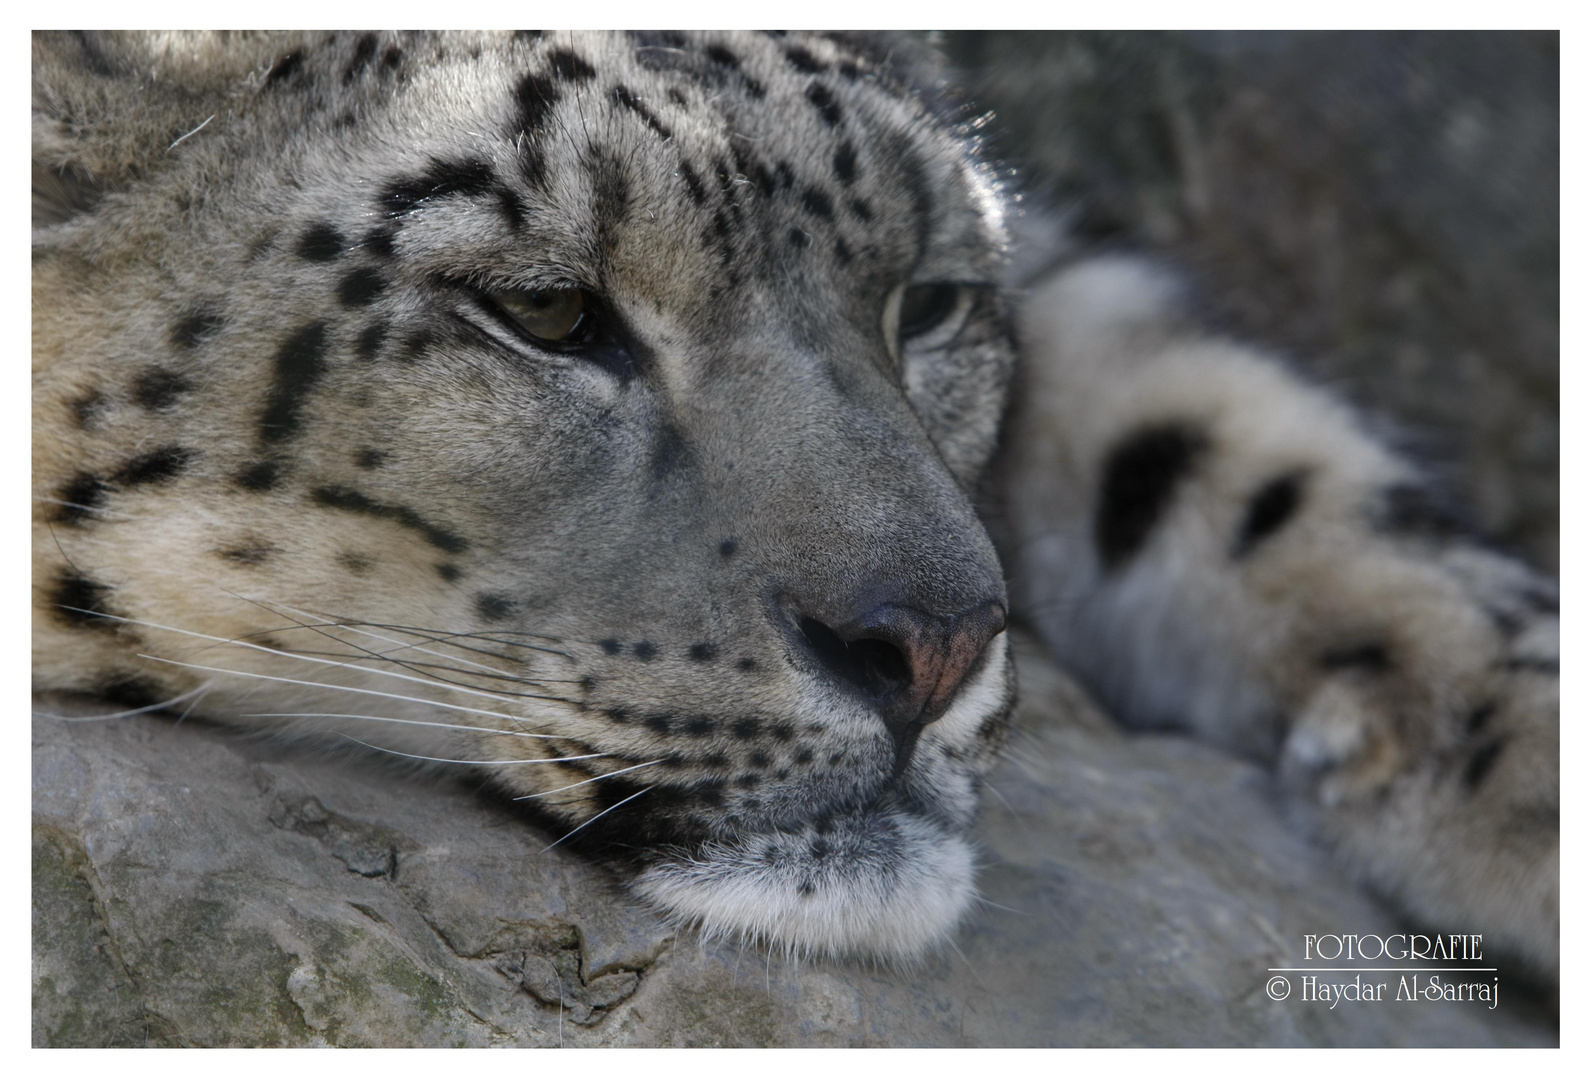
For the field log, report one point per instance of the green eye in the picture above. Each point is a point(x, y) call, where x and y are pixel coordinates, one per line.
point(552, 315)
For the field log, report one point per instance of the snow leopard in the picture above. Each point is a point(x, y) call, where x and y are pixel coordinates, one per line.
point(608, 413)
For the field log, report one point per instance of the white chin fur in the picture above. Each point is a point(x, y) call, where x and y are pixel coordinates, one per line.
point(891, 904)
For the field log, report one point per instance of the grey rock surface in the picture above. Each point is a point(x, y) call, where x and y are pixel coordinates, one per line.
point(1381, 208)
point(192, 886)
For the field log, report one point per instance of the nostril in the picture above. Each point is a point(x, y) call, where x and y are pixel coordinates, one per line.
point(874, 667)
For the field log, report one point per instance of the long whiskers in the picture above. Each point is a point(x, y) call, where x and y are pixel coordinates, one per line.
point(589, 780)
point(465, 761)
point(598, 815)
point(198, 692)
point(391, 720)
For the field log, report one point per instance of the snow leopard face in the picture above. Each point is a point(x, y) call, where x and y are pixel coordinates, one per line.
point(600, 409)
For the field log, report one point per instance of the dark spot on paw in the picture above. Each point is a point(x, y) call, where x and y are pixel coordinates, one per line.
point(1370, 656)
point(644, 650)
point(704, 651)
point(1139, 482)
point(1268, 511)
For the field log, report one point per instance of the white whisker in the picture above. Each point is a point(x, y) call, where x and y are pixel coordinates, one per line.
point(462, 761)
point(300, 657)
point(390, 720)
point(589, 780)
point(345, 689)
point(596, 816)
point(201, 689)
point(401, 645)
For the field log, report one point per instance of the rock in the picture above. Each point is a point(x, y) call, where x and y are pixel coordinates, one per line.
point(193, 886)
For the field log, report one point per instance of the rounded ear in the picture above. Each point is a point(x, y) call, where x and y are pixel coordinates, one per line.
point(109, 105)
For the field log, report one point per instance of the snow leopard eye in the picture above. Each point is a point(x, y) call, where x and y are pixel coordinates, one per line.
point(926, 307)
point(549, 316)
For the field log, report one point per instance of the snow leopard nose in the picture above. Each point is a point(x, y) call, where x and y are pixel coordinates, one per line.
point(906, 662)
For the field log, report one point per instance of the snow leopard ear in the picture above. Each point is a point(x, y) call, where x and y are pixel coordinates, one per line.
point(108, 105)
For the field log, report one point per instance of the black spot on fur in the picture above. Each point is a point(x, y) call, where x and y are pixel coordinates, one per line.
point(448, 571)
point(1413, 510)
point(159, 388)
point(845, 163)
point(360, 287)
point(610, 646)
point(848, 70)
point(154, 467)
point(803, 757)
point(81, 601)
point(720, 54)
point(659, 723)
point(840, 249)
point(511, 208)
point(1270, 507)
point(354, 563)
point(258, 476)
point(797, 238)
point(299, 367)
point(286, 67)
point(195, 328)
point(747, 663)
point(860, 209)
point(1480, 717)
point(627, 100)
point(466, 176)
point(320, 243)
point(703, 651)
point(781, 731)
point(1139, 481)
point(391, 56)
point(494, 607)
point(86, 409)
point(568, 66)
point(379, 242)
point(645, 650)
point(130, 691)
point(248, 553)
point(369, 458)
point(817, 202)
point(369, 343)
point(822, 99)
point(1541, 601)
point(526, 37)
point(728, 547)
point(1539, 665)
point(1481, 762)
point(1507, 623)
point(535, 96)
point(746, 728)
point(804, 60)
point(85, 493)
point(342, 498)
point(699, 725)
point(670, 453)
point(365, 52)
point(759, 759)
point(1370, 656)
point(695, 187)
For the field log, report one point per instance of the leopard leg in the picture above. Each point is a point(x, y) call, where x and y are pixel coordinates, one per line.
point(1216, 546)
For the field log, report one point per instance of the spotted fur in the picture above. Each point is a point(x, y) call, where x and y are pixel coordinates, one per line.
point(704, 587)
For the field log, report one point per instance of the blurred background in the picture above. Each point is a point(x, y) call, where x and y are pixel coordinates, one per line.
point(1380, 208)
